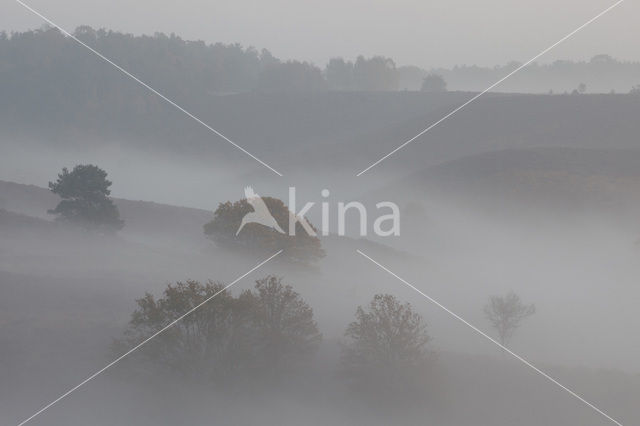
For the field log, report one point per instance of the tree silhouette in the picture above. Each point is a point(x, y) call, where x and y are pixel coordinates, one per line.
point(387, 346)
point(434, 83)
point(85, 199)
point(261, 334)
point(339, 74)
point(201, 344)
point(284, 329)
point(506, 313)
point(376, 73)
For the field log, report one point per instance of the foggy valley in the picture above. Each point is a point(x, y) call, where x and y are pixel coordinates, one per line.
point(120, 217)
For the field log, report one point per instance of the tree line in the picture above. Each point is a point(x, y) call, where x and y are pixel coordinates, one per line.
point(43, 63)
point(599, 74)
point(269, 333)
point(48, 81)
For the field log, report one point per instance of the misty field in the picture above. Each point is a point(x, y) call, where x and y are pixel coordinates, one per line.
point(154, 269)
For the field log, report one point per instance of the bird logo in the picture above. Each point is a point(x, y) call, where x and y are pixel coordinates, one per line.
point(260, 213)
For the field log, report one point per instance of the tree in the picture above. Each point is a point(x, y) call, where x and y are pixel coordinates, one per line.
point(285, 332)
point(339, 74)
point(635, 90)
point(85, 199)
point(387, 346)
point(506, 314)
point(300, 248)
point(259, 334)
point(434, 83)
point(376, 73)
point(602, 59)
point(199, 345)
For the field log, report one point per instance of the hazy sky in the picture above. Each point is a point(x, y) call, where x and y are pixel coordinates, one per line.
point(424, 33)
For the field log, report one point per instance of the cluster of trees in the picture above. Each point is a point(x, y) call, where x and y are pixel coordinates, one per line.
point(265, 332)
point(268, 333)
point(179, 67)
point(53, 81)
point(44, 63)
point(601, 74)
point(377, 73)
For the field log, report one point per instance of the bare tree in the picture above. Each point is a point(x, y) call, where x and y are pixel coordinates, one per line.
point(506, 314)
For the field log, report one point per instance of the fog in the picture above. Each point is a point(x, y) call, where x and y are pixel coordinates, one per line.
point(520, 193)
point(67, 295)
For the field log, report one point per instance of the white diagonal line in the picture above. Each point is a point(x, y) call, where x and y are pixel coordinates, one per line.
point(139, 345)
point(491, 339)
point(145, 85)
point(492, 86)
